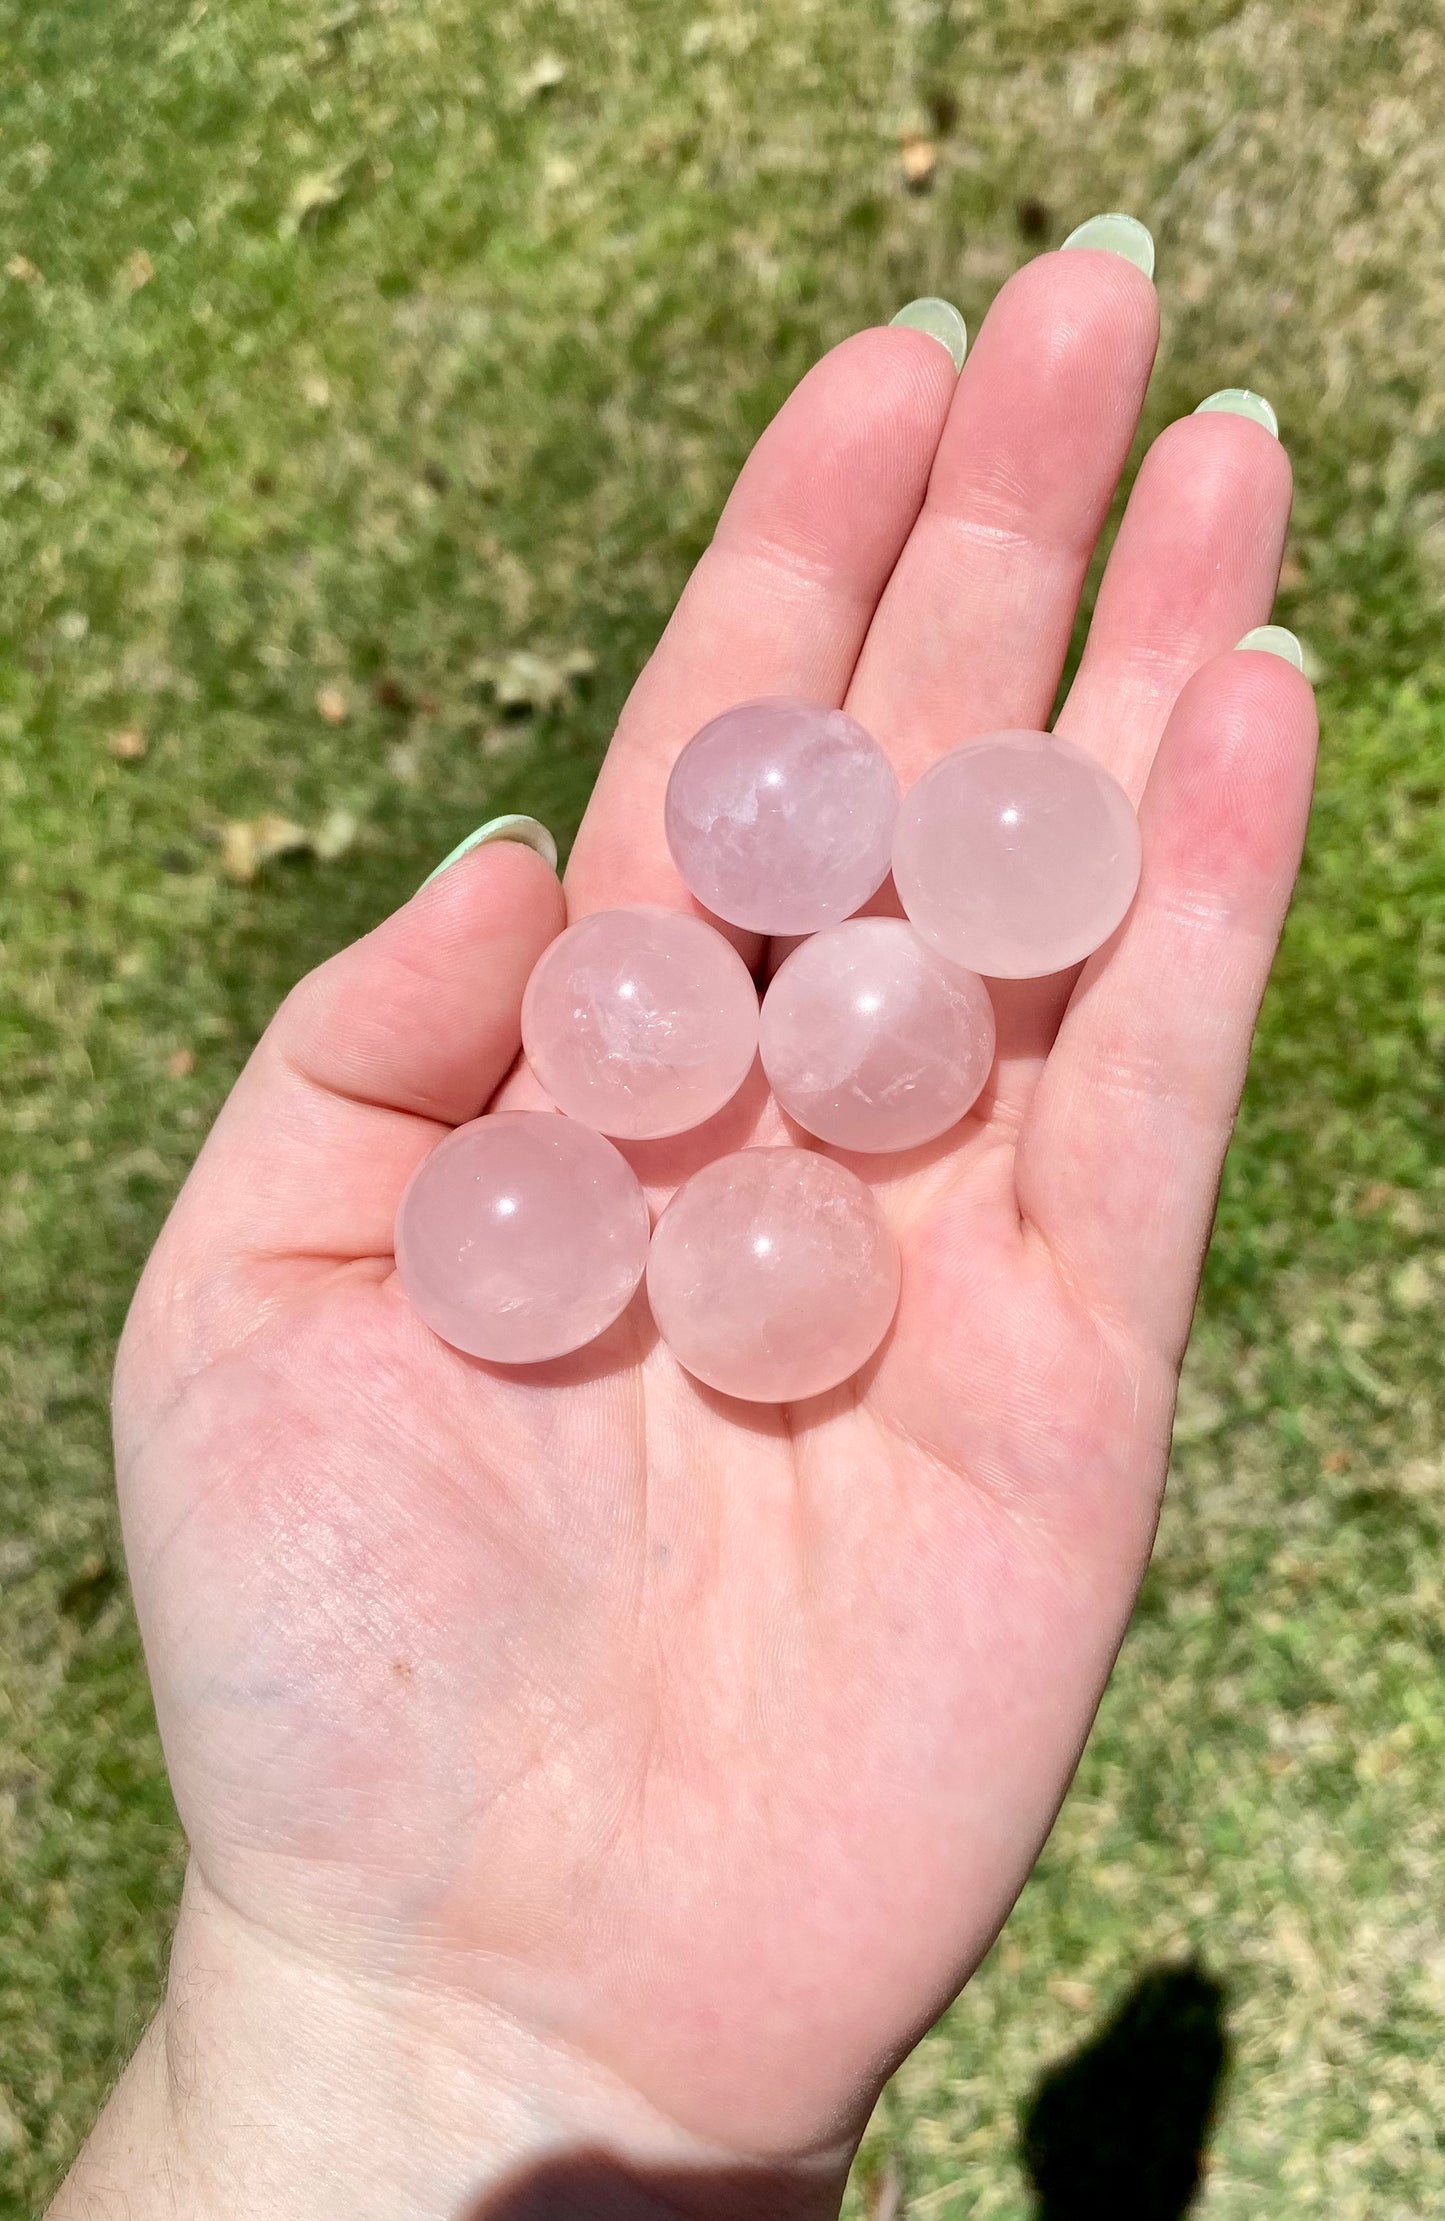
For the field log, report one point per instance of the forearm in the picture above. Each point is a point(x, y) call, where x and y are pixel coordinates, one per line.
point(271, 2090)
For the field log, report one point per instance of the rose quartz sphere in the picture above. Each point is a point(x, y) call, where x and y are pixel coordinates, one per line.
point(641, 1021)
point(772, 1275)
point(521, 1237)
point(780, 816)
point(871, 1040)
point(1016, 855)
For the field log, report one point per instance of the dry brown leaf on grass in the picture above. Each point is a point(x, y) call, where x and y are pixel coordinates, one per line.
point(403, 761)
point(248, 843)
point(332, 705)
point(527, 680)
point(139, 271)
point(23, 270)
point(1412, 1287)
point(127, 746)
point(181, 1064)
point(388, 692)
point(918, 159)
point(335, 835)
point(315, 195)
point(545, 74)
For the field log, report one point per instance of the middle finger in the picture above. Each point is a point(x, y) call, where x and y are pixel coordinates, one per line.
point(972, 630)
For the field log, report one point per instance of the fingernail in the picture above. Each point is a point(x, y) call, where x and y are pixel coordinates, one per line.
point(1239, 401)
point(941, 320)
point(1275, 640)
point(1117, 234)
point(523, 829)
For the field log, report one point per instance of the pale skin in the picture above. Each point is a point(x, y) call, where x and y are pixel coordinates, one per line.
point(594, 1787)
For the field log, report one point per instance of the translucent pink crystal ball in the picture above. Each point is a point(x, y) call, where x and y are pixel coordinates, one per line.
point(780, 816)
point(521, 1237)
point(1016, 855)
point(871, 1040)
point(641, 1021)
point(772, 1275)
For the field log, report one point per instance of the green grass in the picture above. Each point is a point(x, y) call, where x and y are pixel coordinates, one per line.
point(447, 357)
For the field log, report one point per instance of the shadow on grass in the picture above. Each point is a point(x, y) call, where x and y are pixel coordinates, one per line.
point(1119, 2129)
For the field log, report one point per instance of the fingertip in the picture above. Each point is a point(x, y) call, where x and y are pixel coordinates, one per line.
point(1241, 401)
point(512, 825)
point(1224, 449)
point(1080, 290)
point(1250, 680)
point(1283, 700)
point(1275, 640)
point(1281, 690)
point(1230, 791)
point(877, 367)
point(1115, 233)
point(1232, 449)
point(493, 888)
point(884, 375)
point(941, 322)
point(1244, 711)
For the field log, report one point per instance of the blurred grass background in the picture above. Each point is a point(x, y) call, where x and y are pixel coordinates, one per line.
point(372, 374)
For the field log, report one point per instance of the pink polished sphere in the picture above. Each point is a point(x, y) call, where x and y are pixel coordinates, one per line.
point(1016, 855)
point(780, 816)
point(521, 1237)
point(641, 1021)
point(772, 1275)
point(871, 1040)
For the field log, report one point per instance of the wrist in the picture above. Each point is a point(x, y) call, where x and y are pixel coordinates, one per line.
point(272, 2087)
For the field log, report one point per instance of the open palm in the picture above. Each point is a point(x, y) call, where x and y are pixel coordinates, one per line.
point(711, 1743)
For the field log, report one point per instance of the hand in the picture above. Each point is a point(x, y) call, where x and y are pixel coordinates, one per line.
point(603, 1762)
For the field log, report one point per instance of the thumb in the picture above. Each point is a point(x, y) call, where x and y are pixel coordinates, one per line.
point(424, 1014)
point(370, 1059)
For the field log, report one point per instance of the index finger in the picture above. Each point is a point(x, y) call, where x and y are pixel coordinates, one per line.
point(781, 602)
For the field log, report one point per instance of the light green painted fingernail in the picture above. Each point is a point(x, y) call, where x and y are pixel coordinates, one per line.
point(513, 828)
point(1239, 401)
point(1117, 234)
point(1275, 640)
point(941, 320)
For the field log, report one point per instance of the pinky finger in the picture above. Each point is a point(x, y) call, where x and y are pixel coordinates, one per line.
point(1121, 1152)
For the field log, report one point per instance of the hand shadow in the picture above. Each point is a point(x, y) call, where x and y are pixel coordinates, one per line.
point(1119, 2129)
point(592, 2186)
